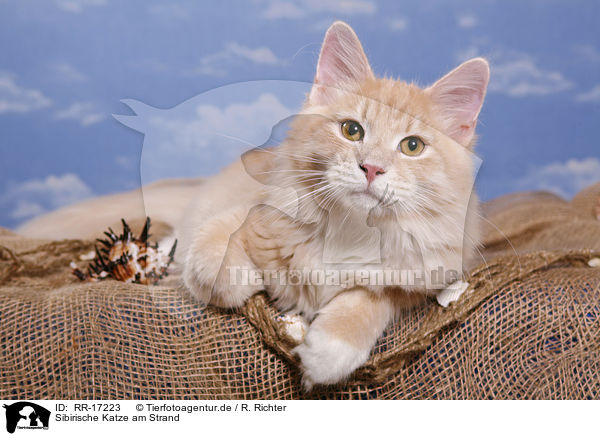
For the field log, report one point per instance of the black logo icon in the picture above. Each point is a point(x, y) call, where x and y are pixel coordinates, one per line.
point(26, 415)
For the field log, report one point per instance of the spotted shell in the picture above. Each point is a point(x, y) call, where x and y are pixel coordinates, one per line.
point(127, 258)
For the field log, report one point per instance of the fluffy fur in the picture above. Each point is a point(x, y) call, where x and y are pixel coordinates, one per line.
point(419, 210)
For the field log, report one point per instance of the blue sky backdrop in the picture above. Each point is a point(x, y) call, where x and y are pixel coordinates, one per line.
point(65, 66)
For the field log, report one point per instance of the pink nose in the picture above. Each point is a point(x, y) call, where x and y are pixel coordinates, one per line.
point(371, 171)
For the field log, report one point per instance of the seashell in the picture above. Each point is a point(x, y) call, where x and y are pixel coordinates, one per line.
point(127, 258)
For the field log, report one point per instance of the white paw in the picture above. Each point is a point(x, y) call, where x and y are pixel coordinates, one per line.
point(327, 360)
point(452, 292)
point(295, 326)
point(594, 262)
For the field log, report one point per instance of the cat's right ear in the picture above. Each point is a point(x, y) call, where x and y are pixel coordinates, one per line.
point(342, 63)
point(459, 95)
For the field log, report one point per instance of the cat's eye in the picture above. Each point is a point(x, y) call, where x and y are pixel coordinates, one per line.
point(352, 130)
point(412, 146)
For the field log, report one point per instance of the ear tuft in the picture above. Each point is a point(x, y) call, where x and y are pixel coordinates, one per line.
point(459, 95)
point(342, 63)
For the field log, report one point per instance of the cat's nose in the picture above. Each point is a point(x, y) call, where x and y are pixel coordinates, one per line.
point(371, 171)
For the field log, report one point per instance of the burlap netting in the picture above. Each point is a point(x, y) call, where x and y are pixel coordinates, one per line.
point(526, 328)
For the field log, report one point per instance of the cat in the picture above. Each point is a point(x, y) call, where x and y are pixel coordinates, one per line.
point(388, 163)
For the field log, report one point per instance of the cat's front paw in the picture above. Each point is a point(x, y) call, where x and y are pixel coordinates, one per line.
point(326, 359)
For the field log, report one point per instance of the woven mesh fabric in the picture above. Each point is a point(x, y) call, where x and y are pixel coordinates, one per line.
point(526, 328)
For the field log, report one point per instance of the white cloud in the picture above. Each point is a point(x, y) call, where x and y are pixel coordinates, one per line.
point(261, 55)
point(217, 64)
point(588, 52)
point(398, 24)
point(67, 72)
point(26, 209)
point(522, 77)
point(466, 21)
point(77, 6)
point(277, 9)
point(517, 74)
point(169, 10)
point(36, 196)
point(593, 95)
point(344, 7)
point(83, 112)
point(126, 162)
point(251, 122)
point(14, 98)
point(563, 178)
point(320, 26)
point(283, 9)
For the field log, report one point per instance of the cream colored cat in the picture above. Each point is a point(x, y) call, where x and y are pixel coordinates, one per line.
point(375, 175)
point(362, 151)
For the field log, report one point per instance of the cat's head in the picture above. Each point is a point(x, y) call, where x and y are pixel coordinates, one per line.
point(384, 145)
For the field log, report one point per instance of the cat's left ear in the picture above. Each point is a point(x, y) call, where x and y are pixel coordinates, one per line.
point(459, 96)
point(342, 64)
